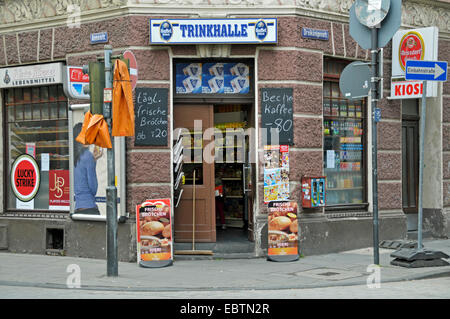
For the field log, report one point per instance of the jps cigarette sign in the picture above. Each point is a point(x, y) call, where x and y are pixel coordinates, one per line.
point(195, 31)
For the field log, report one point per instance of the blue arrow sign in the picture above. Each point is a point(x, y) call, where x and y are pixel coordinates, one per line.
point(426, 70)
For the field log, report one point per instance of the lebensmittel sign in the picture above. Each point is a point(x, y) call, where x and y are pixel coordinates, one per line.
point(32, 75)
point(197, 31)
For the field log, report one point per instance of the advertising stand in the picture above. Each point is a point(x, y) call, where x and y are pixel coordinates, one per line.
point(154, 233)
point(283, 231)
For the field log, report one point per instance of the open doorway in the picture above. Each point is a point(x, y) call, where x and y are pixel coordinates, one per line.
point(233, 174)
point(223, 223)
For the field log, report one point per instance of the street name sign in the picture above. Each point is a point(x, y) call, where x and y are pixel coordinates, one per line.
point(426, 70)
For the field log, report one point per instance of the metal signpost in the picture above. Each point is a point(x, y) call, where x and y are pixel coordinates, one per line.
point(372, 25)
point(101, 94)
point(425, 71)
point(111, 189)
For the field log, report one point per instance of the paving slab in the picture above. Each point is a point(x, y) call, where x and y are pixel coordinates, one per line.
point(345, 268)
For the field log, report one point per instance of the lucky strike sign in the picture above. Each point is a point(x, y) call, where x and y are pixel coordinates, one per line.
point(25, 178)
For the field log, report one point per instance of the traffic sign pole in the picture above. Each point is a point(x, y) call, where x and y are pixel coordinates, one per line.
point(374, 99)
point(421, 154)
point(426, 71)
point(111, 190)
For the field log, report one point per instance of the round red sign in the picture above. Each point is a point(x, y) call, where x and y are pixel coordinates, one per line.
point(411, 48)
point(25, 177)
point(133, 67)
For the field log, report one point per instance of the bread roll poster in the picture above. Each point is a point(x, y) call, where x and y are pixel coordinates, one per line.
point(283, 228)
point(154, 233)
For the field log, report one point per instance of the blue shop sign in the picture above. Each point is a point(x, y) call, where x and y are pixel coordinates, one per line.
point(197, 31)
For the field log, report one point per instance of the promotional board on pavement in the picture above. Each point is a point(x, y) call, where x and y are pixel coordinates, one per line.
point(154, 233)
point(283, 231)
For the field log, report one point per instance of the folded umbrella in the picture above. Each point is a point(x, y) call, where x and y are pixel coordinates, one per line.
point(95, 131)
point(122, 105)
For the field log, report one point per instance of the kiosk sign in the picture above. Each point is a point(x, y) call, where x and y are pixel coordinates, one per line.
point(25, 178)
point(197, 31)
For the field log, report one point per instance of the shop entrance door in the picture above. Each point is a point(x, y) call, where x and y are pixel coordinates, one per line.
point(195, 145)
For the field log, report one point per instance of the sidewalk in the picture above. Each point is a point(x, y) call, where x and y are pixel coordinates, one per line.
point(338, 269)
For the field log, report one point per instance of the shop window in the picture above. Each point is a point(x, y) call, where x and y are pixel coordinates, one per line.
point(37, 124)
point(344, 141)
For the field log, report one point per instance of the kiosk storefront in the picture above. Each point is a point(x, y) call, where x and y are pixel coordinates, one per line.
point(239, 69)
point(214, 114)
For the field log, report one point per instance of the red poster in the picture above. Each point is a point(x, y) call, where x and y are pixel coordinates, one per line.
point(154, 233)
point(77, 75)
point(58, 190)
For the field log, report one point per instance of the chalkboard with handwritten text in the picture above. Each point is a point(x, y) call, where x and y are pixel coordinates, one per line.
point(151, 123)
point(277, 115)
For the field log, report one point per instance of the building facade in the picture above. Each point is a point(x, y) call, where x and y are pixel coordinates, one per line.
point(313, 45)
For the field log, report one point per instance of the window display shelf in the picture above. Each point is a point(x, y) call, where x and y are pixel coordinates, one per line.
point(342, 135)
point(18, 146)
point(337, 117)
point(35, 131)
point(344, 188)
point(338, 170)
point(230, 146)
